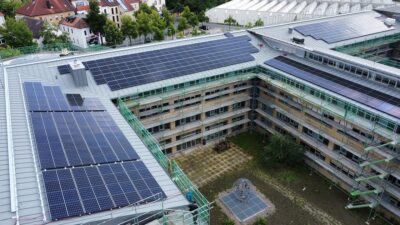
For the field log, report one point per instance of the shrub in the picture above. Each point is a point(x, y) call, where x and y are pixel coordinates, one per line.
point(228, 222)
point(260, 221)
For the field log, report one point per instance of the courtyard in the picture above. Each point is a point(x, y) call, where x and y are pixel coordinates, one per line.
point(301, 196)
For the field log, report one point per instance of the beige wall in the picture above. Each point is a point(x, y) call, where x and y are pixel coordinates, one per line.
point(52, 18)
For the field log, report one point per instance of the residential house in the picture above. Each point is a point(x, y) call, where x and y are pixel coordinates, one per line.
point(112, 9)
point(158, 4)
point(52, 11)
point(79, 31)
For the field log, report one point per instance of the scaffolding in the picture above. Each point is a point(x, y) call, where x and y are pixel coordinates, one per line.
point(368, 186)
point(170, 166)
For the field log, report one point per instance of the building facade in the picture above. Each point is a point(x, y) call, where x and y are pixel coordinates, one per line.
point(52, 11)
point(78, 31)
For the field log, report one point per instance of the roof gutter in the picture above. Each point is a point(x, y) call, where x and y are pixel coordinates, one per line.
point(10, 145)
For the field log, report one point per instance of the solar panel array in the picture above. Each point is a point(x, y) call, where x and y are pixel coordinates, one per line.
point(146, 67)
point(243, 211)
point(50, 98)
point(88, 164)
point(373, 98)
point(90, 189)
point(65, 69)
point(343, 29)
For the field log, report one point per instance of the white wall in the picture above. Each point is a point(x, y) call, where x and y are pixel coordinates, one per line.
point(77, 36)
point(159, 4)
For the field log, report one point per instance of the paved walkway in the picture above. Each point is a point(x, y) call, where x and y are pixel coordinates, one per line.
point(205, 165)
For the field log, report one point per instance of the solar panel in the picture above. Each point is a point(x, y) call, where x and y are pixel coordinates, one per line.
point(375, 99)
point(79, 138)
point(88, 164)
point(343, 29)
point(86, 190)
point(64, 69)
point(50, 98)
point(146, 67)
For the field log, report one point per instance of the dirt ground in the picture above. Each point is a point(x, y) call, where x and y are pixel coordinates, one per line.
point(301, 196)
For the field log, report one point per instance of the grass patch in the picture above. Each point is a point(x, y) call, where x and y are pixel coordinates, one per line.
point(287, 176)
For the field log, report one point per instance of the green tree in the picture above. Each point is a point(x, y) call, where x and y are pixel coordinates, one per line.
point(230, 21)
point(95, 19)
point(203, 18)
point(129, 28)
point(9, 7)
point(171, 31)
point(50, 35)
point(186, 13)
point(193, 21)
point(259, 23)
point(190, 17)
point(112, 34)
point(249, 25)
point(143, 8)
point(145, 25)
point(183, 24)
point(167, 17)
point(16, 33)
point(157, 22)
point(283, 150)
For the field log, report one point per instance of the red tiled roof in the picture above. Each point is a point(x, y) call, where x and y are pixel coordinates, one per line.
point(75, 22)
point(41, 7)
point(129, 3)
point(111, 3)
point(83, 8)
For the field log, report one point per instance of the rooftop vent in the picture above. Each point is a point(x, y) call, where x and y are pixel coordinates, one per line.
point(299, 41)
point(78, 73)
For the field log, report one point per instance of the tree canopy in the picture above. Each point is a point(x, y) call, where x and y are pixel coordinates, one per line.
point(9, 7)
point(259, 23)
point(16, 33)
point(95, 19)
point(112, 34)
point(183, 24)
point(283, 150)
point(50, 35)
point(230, 21)
point(129, 28)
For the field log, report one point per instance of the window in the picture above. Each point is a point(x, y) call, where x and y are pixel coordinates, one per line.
point(159, 128)
point(85, 32)
point(217, 111)
point(187, 120)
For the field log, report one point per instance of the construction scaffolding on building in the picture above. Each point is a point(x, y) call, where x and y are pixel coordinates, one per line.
point(172, 168)
point(369, 181)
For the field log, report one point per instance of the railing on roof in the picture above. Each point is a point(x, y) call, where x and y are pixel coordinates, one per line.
point(14, 52)
point(170, 166)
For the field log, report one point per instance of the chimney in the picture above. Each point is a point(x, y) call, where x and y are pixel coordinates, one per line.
point(78, 72)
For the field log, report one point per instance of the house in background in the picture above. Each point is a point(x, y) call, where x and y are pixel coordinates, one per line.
point(52, 11)
point(78, 31)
